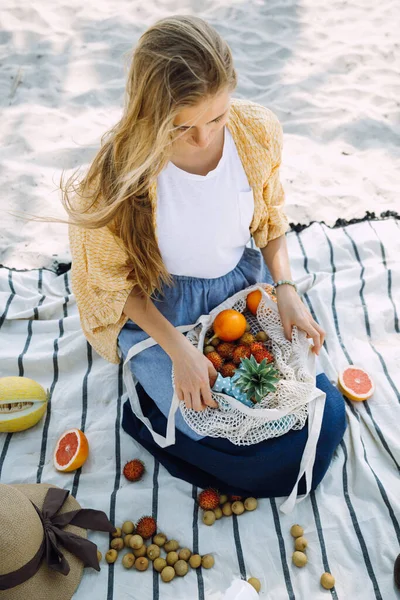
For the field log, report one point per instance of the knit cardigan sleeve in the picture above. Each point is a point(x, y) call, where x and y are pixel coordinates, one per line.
point(99, 278)
point(273, 222)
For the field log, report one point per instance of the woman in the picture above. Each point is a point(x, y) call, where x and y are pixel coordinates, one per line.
point(161, 236)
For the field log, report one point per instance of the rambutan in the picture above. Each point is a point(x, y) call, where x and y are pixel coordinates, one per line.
point(255, 346)
point(259, 355)
point(216, 360)
point(228, 369)
point(225, 349)
point(134, 470)
point(235, 498)
point(246, 339)
point(146, 527)
point(240, 352)
point(208, 499)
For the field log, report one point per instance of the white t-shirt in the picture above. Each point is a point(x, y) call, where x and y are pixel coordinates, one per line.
point(203, 220)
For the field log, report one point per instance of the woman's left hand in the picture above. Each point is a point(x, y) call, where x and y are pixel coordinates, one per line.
point(294, 312)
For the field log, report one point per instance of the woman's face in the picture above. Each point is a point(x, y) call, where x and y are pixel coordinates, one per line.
point(199, 125)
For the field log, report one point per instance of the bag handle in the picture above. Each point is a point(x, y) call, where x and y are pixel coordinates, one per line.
point(131, 382)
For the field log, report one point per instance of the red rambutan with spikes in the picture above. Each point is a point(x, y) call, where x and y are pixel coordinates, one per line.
point(146, 527)
point(225, 349)
point(208, 499)
point(134, 469)
point(259, 355)
point(240, 352)
point(235, 498)
point(228, 369)
point(216, 360)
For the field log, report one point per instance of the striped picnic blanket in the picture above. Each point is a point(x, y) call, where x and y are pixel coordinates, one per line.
point(350, 278)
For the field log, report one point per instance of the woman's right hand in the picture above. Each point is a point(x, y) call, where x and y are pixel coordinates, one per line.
point(194, 374)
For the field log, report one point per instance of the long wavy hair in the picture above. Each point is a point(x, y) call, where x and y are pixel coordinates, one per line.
point(178, 62)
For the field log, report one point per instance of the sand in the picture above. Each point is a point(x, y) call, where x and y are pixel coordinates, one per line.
point(330, 71)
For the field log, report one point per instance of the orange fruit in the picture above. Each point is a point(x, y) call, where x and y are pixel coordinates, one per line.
point(71, 450)
point(229, 325)
point(356, 384)
point(253, 300)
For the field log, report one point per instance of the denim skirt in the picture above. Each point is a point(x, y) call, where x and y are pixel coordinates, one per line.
point(267, 469)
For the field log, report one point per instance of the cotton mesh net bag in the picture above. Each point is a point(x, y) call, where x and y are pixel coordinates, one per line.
point(278, 412)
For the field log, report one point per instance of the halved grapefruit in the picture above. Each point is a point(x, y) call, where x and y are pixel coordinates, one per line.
point(356, 384)
point(71, 450)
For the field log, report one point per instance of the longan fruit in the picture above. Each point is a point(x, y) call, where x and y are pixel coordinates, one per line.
point(261, 336)
point(207, 561)
point(215, 342)
point(99, 555)
point(223, 498)
point(218, 513)
point(117, 533)
point(139, 552)
point(300, 543)
point(250, 504)
point(299, 559)
point(128, 527)
point(136, 542)
point(181, 568)
point(296, 531)
point(195, 561)
point(247, 326)
point(111, 556)
point(127, 539)
point(153, 551)
point(167, 574)
point(128, 560)
point(255, 583)
point(327, 581)
point(184, 554)
point(208, 349)
point(117, 543)
point(159, 564)
point(142, 563)
point(209, 517)
point(171, 546)
point(172, 558)
point(227, 509)
point(160, 539)
point(238, 507)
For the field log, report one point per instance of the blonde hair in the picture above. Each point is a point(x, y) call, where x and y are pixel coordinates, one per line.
point(178, 62)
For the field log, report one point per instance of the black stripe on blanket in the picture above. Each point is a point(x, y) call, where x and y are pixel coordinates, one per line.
point(282, 550)
point(389, 272)
point(356, 526)
point(117, 480)
point(238, 545)
point(2, 319)
point(78, 472)
point(35, 316)
point(53, 383)
point(154, 514)
point(10, 299)
point(344, 349)
point(366, 317)
point(200, 582)
point(380, 486)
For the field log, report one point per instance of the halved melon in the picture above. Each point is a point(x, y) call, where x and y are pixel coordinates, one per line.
point(23, 403)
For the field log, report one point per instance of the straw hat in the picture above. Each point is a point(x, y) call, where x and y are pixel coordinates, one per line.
point(24, 530)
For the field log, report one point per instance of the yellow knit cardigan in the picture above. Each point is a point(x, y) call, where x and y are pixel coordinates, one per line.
point(99, 275)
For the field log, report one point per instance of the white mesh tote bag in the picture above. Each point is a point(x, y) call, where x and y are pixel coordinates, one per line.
point(295, 397)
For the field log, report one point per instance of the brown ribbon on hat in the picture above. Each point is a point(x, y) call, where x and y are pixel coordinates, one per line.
point(52, 524)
